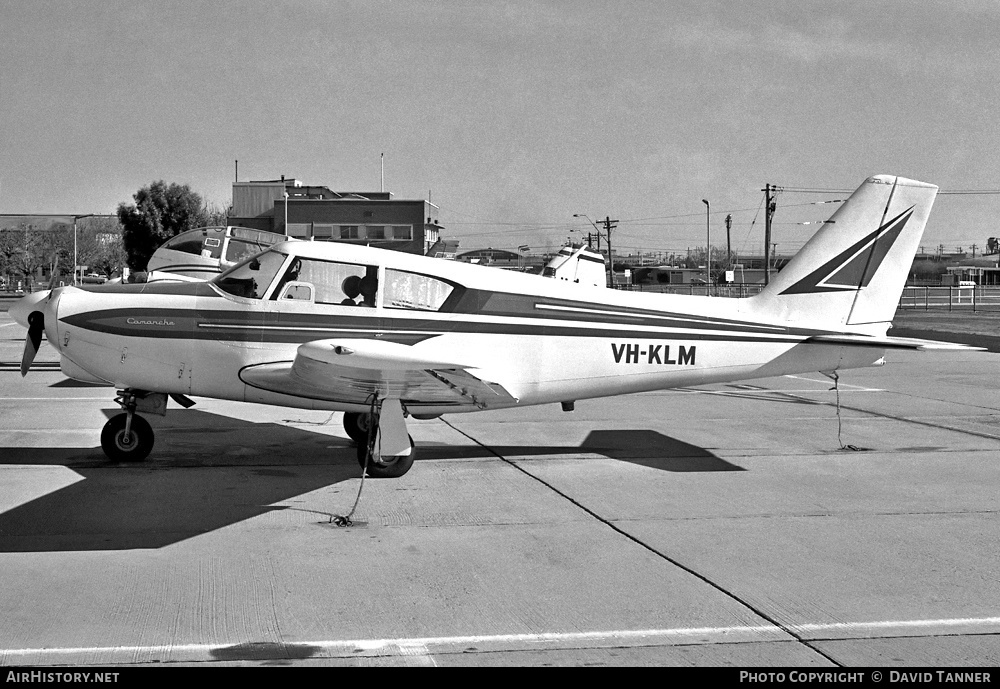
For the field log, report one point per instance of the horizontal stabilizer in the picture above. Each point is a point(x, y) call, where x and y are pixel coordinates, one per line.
point(894, 343)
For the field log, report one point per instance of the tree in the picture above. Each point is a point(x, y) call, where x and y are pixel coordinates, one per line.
point(11, 247)
point(34, 250)
point(215, 214)
point(56, 249)
point(160, 212)
point(99, 245)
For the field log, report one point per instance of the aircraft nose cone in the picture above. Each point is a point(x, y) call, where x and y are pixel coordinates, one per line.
point(24, 306)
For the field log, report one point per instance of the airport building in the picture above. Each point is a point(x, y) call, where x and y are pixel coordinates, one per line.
point(288, 207)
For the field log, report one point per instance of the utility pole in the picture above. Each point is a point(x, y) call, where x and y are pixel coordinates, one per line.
point(769, 204)
point(609, 225)
point(729, 244)
point(708, 247)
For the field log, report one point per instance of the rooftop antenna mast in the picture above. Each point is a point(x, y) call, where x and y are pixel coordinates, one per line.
point(381, 184)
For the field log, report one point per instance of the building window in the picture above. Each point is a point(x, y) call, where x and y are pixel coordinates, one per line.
point(298, 229)
point(375, 231)
point(349, 232)
point(322, 231)
point(402, 231)
point(413, 291)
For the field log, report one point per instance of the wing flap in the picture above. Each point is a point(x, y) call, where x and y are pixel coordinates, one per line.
point(350, 371)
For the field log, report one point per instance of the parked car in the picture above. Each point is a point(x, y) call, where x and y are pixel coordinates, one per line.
point(93, 279)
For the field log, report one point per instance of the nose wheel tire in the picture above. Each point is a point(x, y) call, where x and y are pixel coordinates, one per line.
point(133, 447)
point(386, 467)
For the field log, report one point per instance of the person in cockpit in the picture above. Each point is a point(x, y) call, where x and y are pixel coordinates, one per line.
point(352, 288)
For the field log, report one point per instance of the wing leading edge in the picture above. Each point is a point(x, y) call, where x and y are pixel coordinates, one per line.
point(351, 370)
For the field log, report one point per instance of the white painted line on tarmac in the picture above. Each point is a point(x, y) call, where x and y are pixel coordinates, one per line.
point(52, 399)
point(899, 627)
point(827, 383)
point(751, 391)
point(423, 647)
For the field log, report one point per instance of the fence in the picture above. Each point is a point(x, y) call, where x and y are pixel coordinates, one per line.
point(977, 298)
point(729, 290)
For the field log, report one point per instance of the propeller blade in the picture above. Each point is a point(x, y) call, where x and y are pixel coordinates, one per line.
point(36, 326)
point(182, 400)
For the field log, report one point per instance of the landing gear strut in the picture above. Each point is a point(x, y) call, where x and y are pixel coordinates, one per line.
point(127, 437)
point(382, 448)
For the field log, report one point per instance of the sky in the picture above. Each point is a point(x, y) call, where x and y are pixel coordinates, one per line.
point(512, 117)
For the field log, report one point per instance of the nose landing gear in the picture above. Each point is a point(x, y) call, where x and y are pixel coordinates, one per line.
point(127, 437)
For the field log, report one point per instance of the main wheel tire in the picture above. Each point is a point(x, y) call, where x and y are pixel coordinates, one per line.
point(356, 426)
point(134, 447)
point(391, 467)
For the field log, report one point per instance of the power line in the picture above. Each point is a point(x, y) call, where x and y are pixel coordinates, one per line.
point(956, 192)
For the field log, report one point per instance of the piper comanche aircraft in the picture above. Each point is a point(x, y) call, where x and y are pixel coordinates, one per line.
point(383, 335)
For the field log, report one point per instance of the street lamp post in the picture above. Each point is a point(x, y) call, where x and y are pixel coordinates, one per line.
point(708, 246)
point(286, 212)
point(584, 215)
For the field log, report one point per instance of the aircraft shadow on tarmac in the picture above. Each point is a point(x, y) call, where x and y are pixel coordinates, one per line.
point(643, 447)
point(209, 471)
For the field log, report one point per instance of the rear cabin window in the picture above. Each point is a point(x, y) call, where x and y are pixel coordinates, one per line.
point(405, 290)
point(206, 242)
point(345, 284)
point(239, 249)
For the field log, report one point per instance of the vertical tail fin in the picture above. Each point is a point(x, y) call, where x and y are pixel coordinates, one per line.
point(852, 271)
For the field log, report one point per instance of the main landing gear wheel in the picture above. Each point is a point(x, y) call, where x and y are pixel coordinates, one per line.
point(388, 467)
point(357, 426)
point(134, 446)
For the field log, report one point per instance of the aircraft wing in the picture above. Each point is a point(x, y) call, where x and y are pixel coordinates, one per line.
point(350, 370)
point(893, 343)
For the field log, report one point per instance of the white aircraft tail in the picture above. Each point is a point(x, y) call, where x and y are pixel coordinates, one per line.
point(850, 274)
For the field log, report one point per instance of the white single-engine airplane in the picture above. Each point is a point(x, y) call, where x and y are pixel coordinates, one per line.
point(383, 335)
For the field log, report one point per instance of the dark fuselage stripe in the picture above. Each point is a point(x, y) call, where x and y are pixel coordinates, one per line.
point(182, 324)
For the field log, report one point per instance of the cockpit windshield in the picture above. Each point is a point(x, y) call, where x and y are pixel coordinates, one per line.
point(252, 277)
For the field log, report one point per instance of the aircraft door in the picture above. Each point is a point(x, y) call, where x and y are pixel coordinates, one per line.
point(319, 299)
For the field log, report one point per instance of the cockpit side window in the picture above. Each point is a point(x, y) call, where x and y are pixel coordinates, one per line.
point(251, 278)
point(344, 284)
point(404, 290)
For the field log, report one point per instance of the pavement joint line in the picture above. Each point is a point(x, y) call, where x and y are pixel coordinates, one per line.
point(424, 646)
point(883, 415)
